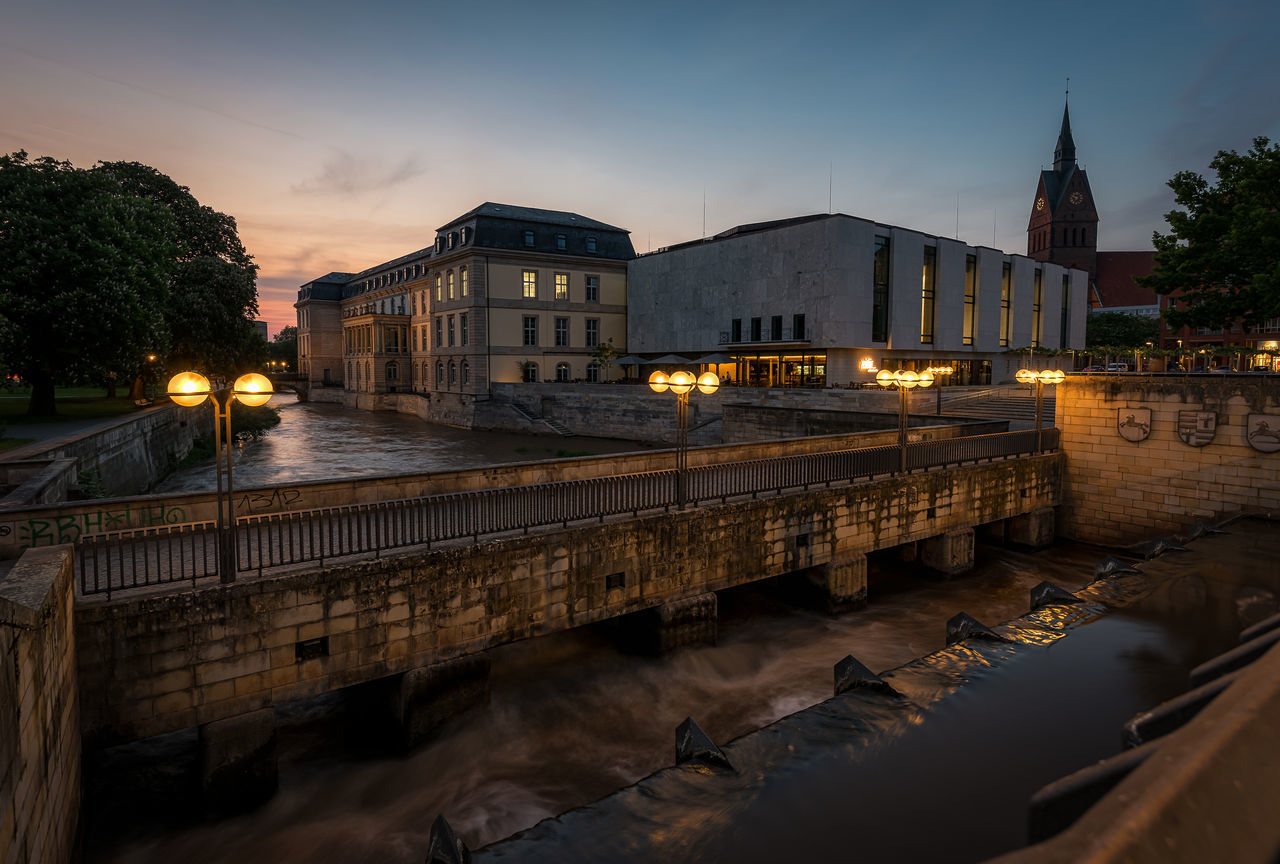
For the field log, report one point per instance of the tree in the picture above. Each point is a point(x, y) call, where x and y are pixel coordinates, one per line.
point(85, 274)
point(284, 345)
point(605, 353)
point(1120, 330)
point(1222, 255)
point(213, 295)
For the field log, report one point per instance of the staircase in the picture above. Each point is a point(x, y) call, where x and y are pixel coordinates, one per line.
point(555, 426)
point(1000, 405)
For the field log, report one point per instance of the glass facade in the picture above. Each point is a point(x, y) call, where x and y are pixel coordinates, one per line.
point(880, 292)
point(1006, 303)
point(970, 297)
point(928, 285)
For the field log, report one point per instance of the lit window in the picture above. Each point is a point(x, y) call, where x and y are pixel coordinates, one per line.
point(562, 286)
point(466, 235)
point(462, 281)
point(439, 289)
point(562, 372)
point(449, 280)
point(928, 285)
point(529, 279)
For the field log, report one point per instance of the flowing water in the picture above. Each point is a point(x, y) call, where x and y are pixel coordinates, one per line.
point(571, 720)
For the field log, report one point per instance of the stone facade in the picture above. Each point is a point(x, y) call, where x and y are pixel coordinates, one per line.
point(39, 714)
point(159, 663)
point(1120, 491)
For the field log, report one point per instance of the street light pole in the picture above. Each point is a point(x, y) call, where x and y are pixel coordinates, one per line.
point(1041, 378)
point(905, 381)
point(682, 384)
point(189, 389)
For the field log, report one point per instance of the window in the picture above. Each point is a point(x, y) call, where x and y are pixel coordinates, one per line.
point(462, 329)
point(562, 286)
point(415, 338)
point(439, 375)
point(415, 304)
point(560, 242)
point(439, 289)
point(880, 292)
point(591, 245)
point(528, 238)
point(466, 373)
point(970, 296)
point(928, 285)
point(531, 330)
point(465, 234)
point(393, 371)
point(1065, 323)
point(529, 372)
point(775, 328)
point(562, 332)
point(562, 372)
point(453, 374)
point(755, 329)
point(450, 331)
point(439, 244)
point(593, 372)
point(735, 330)
point(1037, 290)
point(439, 341)
point(462, 281)
point(593, 332)
point(1006, 302)
point(453, 238)
point(529, 278)
point(593, 289)
point(449, 281)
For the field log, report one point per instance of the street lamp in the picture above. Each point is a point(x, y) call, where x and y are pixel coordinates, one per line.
point(681, 384)
point(940, 370)
point(1041, 378)
point(189, 389)
point(905, 381)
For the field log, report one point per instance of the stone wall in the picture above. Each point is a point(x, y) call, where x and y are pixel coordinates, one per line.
point(39, 715)
point(1118, 491)
point(757, 422)
point(159, 663)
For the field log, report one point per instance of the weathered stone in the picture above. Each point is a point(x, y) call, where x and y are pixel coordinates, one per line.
point(1048, 594)
point(421, 700)
point(852, 675)
point(949, 554)
point(1032, 530)
point(1203, 528)
point(445, 847)
point(846, 582)
point(964, 626)
point(238, 760)
point(693, 745)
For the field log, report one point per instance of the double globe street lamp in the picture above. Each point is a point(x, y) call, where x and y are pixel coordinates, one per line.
point(906, 381)
point(682, 384)
point(1039, 378)
point(189, 389)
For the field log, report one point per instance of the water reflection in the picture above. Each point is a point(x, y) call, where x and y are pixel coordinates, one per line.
point(328, 442)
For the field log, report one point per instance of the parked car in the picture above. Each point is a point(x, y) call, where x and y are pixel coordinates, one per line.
point(1091, 369)
point(1117, 367)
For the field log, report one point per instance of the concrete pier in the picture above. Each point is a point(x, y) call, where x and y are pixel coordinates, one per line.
point(949, 554)
point(421, 700)
point(1033, 530)
point(238, 760)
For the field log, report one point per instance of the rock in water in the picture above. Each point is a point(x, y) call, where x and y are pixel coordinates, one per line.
point(445, 847)
point(1112, 565)
point(964, 626)
point(693, 745)
point(851, 675)
point(1153, 548)
point(1048, 594)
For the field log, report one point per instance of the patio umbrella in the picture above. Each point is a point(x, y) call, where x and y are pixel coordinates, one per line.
point(717, 359)
point(629, 360)
point(667, 359)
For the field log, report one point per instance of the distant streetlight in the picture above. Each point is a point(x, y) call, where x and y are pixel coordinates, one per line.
point(681, 384)
point(905, 381)
point(189, 389)
point(1041, 378)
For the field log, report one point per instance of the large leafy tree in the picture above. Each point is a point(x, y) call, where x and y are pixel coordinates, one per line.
point(85, 273)
point(213, 294)
point(1120, 330)
point(1222, 253)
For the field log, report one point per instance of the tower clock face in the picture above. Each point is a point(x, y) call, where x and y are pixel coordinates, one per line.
point(1077, 198)
point(1040, 203)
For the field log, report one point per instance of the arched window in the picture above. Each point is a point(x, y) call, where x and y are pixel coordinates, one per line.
point(393, 371)
point(449, 280)
point(593, 372)
point(453, 374)
point(426, 375)
point(466, 373)
point(439, 375)
point(462, 281)
point(1084, 236)
point(529, 373)
point(562, 371)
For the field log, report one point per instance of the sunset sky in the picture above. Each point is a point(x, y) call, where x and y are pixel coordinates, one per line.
point(340, 135)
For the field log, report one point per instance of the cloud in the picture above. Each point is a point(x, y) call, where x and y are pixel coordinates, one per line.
point(348, 176)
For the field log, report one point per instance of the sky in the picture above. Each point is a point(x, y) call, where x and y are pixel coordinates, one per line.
point(340, 135)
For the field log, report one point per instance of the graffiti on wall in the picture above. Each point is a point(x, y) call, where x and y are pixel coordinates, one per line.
point(69, 527)
point(268, 499)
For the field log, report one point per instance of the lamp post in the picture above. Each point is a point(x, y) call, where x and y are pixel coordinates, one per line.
point(940, 370)
point(905, 381)
point(681, 384)
point(1041, 378)
point(189, 389)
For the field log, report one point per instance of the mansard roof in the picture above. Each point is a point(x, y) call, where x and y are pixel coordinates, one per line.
point(532, 214)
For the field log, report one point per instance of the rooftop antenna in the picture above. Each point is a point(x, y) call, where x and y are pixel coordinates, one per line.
point(993, 230)
point(830, 177)
point(957, 215)
point(704, 212)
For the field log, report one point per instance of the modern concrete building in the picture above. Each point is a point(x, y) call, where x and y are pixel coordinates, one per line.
point(827, 300)
point(503, 293)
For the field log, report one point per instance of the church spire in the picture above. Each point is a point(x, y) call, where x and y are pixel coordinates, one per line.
point(1064, 155)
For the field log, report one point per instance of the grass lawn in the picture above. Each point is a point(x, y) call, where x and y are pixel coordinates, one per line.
point(73, 403)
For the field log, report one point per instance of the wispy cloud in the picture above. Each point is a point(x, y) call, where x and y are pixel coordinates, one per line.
point(346, 175)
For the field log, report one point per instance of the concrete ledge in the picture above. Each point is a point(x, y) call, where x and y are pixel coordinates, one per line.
point(33, 587)
point(1207, 794)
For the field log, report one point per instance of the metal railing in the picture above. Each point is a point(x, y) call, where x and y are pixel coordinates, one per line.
point(187, 553)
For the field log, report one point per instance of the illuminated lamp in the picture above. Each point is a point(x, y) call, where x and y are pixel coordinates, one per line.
point(188, 389)
point(681, 382)
point(708, 383)
point(252, 389)
point(1025, 376)
point(658, 381)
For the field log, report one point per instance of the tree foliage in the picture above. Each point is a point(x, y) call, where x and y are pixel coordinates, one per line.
point(1120, 330)
point(284, 345)
point(1222, 253)
point(86, 269)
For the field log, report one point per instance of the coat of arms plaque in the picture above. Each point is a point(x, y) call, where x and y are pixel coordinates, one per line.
point(1262, 431)
point(1197, 427)
point(1133, 424)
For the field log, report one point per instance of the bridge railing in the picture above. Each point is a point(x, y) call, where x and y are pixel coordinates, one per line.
point(181, 553)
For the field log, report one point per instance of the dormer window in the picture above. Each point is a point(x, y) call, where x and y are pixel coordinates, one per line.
point(439, 244)
point(591, 244)
point(528, 238)
point(560, 242)
point(466, 235)
point(453, 238)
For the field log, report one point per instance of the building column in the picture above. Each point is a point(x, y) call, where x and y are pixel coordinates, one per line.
point(949, 554)
point(845, 581)
point(1032, 530)
point(421, 700)
point(238, 760)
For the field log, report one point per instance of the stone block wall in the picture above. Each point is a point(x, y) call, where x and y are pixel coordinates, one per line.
point(39, 715)
point(160, 663)
point(1117, 491)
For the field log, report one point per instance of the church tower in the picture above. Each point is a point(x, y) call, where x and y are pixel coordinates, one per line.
point(1063, 228)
